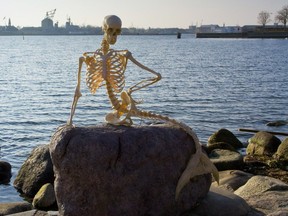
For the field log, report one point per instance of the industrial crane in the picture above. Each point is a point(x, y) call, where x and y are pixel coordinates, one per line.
point(50, 14)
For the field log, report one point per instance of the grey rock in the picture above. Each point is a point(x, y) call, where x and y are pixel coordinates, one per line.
point(5, 172)
point(269, 202)
point(108, 170)
point(221, 202)
point(15, 207)
point(226, 160)
point(232, 179)
point(266, 194)
point(260, 184)
point(36, 171)
point(263, 143)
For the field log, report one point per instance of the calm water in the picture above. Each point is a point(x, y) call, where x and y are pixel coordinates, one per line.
point(207, 83)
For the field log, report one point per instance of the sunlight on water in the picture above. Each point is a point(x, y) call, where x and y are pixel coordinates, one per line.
point(207, 83)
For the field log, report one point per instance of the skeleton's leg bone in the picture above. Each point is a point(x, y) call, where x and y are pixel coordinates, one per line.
point(77, 94)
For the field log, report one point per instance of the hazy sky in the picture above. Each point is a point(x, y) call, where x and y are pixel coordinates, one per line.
point(139, 13)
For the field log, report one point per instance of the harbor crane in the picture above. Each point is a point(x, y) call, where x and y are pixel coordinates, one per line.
point(50, 14)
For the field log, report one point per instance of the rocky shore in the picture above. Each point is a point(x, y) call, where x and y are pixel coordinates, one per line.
point(254, 182)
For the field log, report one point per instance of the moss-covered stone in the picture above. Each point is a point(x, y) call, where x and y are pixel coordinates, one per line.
point(282, 151)
point(225, 136)
point(45, 197)
point(263, 143)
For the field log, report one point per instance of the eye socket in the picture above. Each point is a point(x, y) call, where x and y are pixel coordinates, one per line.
point(114, 31)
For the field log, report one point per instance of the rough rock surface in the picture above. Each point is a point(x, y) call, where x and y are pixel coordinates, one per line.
point(263, 143)
point(36, 171)
point(266, 194)
point(107, 170)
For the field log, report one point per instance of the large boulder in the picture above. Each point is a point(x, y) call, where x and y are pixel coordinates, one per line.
point(265, 194)
point(263, 143)
point(36, 171)
point(109, 170)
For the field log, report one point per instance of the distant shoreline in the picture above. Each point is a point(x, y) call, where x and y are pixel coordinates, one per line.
point(175, 34)
point(281, 35)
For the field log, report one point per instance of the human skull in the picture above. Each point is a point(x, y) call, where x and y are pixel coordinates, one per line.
point(112, 28)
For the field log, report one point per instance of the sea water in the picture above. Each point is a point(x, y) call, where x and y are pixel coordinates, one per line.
point(207, 83)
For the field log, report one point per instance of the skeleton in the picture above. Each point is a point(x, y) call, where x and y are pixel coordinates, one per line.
point(106, 67)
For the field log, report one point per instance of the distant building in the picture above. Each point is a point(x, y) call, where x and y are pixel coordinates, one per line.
point(47, 24)
point(218, 29)
point(72, 29)
point(207, 28)
point(192, 29)
point(10, 29)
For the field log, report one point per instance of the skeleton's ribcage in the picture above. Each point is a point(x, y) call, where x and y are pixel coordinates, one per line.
point(111, 69)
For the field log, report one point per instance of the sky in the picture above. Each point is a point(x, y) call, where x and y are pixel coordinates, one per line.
point(139, 13)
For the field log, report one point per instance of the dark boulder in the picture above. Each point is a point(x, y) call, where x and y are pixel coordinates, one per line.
point(225, 136)
point(5, 172)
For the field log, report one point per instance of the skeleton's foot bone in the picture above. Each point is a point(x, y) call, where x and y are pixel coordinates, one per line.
point(112, 118)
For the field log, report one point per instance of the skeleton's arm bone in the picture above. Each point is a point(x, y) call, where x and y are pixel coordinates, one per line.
point(143, 83)
point(77, 94)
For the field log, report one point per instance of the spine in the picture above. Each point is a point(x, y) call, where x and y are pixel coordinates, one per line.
point(114, 101)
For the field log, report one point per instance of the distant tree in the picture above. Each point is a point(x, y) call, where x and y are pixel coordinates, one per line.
point(282, 15)
point(264, 17)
